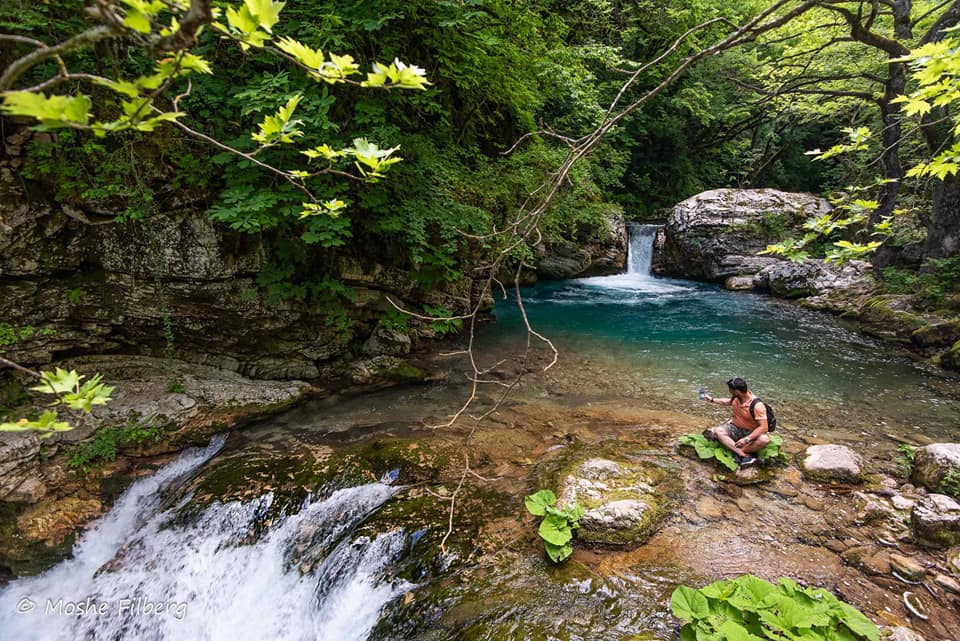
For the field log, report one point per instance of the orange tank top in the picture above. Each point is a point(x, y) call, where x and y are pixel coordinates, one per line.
point(742, 417)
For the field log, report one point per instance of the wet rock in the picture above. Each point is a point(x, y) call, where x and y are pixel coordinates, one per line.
point(622, 500)
point(595, 251)
point(953, 560)
point(19, 461)
point(947, 583)
point(717, 234)
point(387, 342)
point(899, 633)
point(739, 283)
point(709, 508)
point(900, 502)
point(871, 510)
point(385, 369)
point(833, 463)
point(935, 521)
point(30, 491)
point(907, 567)
point(810, 277)
point(936, 462)
point(942, 334)
point(868, 559)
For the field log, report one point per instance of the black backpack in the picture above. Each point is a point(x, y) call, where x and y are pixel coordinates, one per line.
point(771, 419)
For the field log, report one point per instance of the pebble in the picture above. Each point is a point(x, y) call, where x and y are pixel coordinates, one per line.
point(947, 583)
point(907, 567)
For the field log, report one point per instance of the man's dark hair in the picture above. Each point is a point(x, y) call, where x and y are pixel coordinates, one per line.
point(737, 384)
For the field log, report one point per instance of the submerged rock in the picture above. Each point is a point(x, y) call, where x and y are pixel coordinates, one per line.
point(936, 521)
point(833, 463)
point(936, 463)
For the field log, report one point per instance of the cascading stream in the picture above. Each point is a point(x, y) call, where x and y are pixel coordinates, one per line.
point(640, 248)
point(146, 573)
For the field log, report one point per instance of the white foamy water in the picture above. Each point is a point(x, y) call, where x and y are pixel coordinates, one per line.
point(141, 575)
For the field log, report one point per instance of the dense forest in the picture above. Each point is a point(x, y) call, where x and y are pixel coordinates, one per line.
point(747, 117)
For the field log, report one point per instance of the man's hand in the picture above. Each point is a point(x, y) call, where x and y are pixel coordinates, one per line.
point(746, 440)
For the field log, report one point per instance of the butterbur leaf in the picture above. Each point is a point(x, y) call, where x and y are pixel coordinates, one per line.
point(688, 604)
point(538, 503)
point(554, 529)
point(733, 631)
point(725, 456)
point(720, 590)
point(856, 621)
point(557, 553)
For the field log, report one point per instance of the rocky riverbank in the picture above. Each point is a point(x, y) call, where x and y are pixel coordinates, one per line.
point(716, 236)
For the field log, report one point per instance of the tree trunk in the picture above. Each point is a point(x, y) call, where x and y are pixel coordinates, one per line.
point(943, 232)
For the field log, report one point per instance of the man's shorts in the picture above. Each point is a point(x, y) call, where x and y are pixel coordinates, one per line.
point(735, 432)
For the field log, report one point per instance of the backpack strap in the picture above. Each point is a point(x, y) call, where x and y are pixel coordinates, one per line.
point(753, 405)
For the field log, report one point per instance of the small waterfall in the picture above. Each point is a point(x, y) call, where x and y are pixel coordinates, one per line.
point(140, 574)
point(640, 251)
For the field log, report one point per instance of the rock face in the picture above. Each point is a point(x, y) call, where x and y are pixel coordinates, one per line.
point(936, 521)
point(936, 462)
point(787, 279)
point(621, 501)
point(177, 283)
point(594, 252)
point(717, 234)
point(833, 463)
point(45, 498)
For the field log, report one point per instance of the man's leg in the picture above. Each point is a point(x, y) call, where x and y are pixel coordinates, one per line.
point(757, 445)
point(725, 439)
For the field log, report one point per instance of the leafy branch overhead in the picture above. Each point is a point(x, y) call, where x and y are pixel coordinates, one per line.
point(169, 32)
point(69, 389)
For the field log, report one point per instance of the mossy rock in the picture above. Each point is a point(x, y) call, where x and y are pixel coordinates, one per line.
point(950, 359)
point(625, 490)
point(880, 319)
point(937, 335)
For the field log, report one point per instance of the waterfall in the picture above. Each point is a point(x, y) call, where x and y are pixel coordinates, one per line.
point(142, 574)
point(640, 250)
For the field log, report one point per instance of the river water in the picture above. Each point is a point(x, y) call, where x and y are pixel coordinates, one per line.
point(628, 344)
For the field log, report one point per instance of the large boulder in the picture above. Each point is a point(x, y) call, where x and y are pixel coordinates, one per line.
point(936, 462)
point(935, 520)
point(717, 234)
point(788, 279)
point(622, 499)
point(833, 463)
point(595, 251)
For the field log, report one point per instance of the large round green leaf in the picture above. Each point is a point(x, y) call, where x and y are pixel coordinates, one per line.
point(538, 503)
point(555, 530)
point(688, 604)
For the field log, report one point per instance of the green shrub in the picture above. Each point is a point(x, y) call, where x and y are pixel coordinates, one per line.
point(749, 609)
point(906, 460)
point(108, 443)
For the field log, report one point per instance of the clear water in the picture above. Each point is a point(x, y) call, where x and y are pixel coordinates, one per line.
point(658, 340)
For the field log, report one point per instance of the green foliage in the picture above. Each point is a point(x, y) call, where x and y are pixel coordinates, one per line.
point(906, 460)
point(175, 387)
point(445, 325)
point(556, 528)
point(11, 334)
point(750, 609)
point(950, 484)
point(707, 449)
point(108, 443)
point(68, 390)
point(932, 286)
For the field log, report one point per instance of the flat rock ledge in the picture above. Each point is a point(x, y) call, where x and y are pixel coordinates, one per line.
point(936, 463)
point(935, 521)
point(621, 500)
point(833, 463)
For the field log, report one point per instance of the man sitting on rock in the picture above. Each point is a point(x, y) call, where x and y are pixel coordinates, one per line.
point(746, 432)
